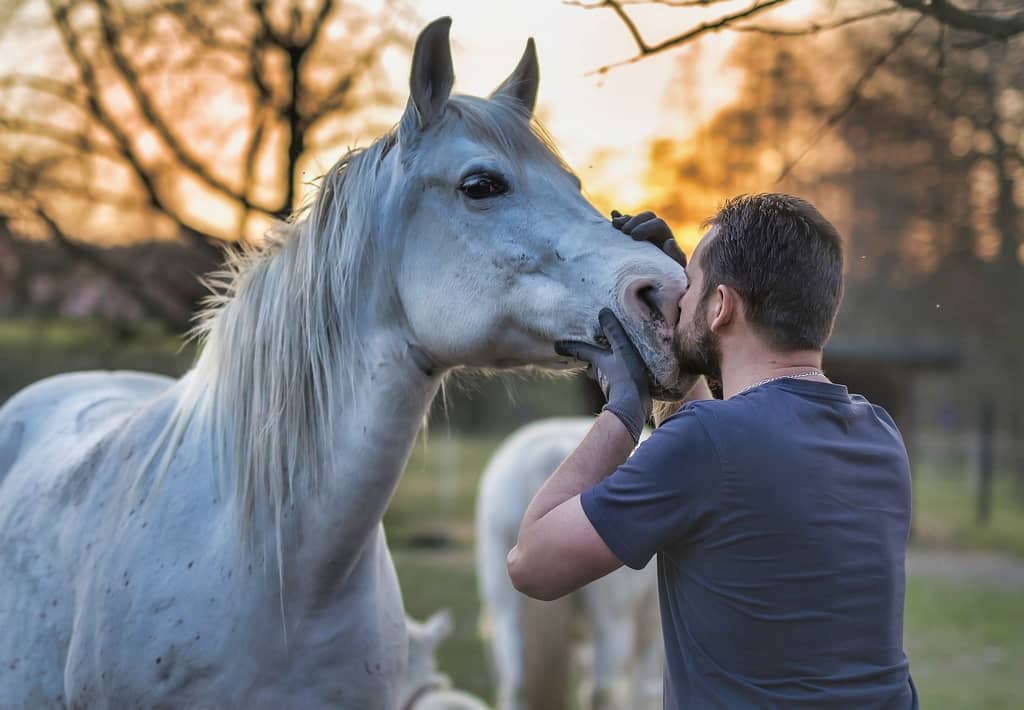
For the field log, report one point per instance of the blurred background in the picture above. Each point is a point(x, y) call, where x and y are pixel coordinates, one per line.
point(139, 137)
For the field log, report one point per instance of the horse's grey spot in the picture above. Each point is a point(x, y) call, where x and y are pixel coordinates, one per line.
point(77, 482)
point(163, 605)
point(88, 414)
point(10, 446)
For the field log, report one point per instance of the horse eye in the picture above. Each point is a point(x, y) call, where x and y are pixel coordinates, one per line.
point(482, 185)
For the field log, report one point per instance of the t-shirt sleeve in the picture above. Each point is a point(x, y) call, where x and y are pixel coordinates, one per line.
point(661, 495)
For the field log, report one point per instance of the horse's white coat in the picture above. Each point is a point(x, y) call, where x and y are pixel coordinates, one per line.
point(620, 611)
point(215, 541)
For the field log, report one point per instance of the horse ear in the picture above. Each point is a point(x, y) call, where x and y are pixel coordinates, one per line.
point(432, 76)
point(439, 626)
point(521, 84)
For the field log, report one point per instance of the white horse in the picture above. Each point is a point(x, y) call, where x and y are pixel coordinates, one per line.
point(424, 687)
point(215, 541)
point(532, 643)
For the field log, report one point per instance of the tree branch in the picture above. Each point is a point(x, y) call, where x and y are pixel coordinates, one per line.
point(79, 141)
point(42, 84)
point(155, 120)
point(853, 96)
point(667, 3)
point(124, 145)
point(994, 26)
point(814, 27)
point(646, 50)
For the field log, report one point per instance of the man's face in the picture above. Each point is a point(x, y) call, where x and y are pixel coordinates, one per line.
point(696, 347)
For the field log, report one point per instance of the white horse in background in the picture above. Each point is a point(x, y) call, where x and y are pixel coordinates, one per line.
point(424, 687)
point(533, 643)
point(215, 541)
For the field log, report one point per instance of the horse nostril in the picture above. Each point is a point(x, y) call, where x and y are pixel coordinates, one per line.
point(649, 300)
point(648, 295)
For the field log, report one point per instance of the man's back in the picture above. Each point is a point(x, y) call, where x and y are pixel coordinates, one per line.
point(781, 516)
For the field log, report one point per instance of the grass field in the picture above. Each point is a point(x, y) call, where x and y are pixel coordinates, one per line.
point(964, 636)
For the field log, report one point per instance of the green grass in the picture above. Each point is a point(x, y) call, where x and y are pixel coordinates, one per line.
point(965, 643)
point(31, 349)
point(436, 498)
point(944, 515)
point(437, 580)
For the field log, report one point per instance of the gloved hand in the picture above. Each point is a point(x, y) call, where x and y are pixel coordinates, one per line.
point(647, 227)
point(619, 370)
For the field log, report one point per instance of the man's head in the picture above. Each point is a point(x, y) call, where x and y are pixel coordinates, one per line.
point(770, 266)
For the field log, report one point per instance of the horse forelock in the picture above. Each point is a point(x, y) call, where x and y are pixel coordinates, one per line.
point(504, 125)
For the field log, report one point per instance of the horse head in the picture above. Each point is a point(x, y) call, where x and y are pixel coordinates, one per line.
point(502, 255)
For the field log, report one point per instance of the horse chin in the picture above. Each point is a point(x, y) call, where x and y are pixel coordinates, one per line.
point(673, 389)
point(665, 380)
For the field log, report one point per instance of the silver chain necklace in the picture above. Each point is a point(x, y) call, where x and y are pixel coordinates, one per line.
point(809, 373)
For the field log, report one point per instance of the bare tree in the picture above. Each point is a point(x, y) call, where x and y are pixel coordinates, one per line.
point(182, 118)
point(986, 22)
point(990, 21)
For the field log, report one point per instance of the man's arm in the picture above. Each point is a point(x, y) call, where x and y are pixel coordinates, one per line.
point(558, 550)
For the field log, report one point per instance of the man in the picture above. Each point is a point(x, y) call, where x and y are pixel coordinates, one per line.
point(779, 514)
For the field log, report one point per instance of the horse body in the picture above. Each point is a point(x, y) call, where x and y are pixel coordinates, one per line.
point(532, 642)
point(157, 588)
point(215, 541)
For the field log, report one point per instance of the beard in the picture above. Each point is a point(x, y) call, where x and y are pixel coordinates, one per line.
point(697, 349)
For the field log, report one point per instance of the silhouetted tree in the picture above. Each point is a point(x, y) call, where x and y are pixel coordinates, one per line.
point(182, 119)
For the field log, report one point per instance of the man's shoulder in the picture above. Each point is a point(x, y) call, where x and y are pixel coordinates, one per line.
point(710, 413)
point(691, 427)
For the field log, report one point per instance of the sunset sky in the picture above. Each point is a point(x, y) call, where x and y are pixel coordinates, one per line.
point(614, 114)
point(603, 122)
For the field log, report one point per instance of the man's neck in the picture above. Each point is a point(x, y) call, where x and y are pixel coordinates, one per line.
point(752, 363)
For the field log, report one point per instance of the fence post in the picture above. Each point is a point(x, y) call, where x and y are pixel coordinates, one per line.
point(986, 460)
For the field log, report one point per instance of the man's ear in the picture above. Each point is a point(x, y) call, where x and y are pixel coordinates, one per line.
point(726, 307)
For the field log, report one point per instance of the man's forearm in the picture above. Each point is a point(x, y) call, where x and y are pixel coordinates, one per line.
point(606, 446)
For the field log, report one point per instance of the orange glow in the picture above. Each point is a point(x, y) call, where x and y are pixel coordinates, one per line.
point(604, 122)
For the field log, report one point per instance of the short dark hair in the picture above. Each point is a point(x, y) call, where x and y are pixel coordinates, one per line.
point(785, 260)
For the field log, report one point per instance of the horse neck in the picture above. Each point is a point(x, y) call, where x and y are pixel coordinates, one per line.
point(373, 434)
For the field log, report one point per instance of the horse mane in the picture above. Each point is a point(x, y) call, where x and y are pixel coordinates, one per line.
point(280, 347)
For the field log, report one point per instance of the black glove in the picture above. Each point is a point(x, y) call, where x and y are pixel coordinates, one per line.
point(619, 370)
point(646, 227)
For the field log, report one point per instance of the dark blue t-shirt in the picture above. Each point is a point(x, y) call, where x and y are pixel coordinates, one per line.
point(780, 519)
